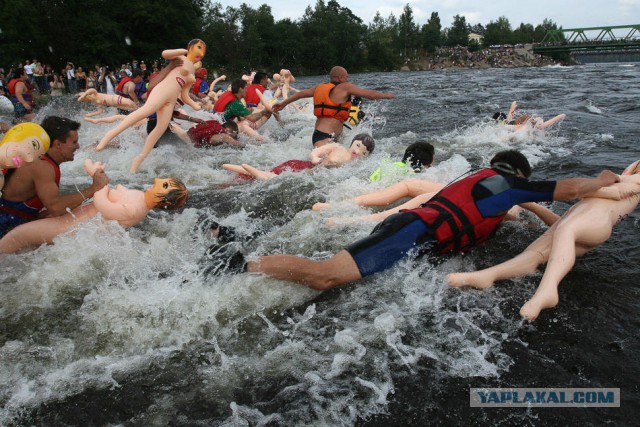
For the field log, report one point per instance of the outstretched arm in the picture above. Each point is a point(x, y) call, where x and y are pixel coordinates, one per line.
point(364, 93)
point(307, 93)
point(173, 53)
point(576, 188)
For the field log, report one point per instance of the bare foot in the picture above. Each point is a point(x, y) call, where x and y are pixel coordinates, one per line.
point(475, 279)
point(541, 300)
point(319, 206)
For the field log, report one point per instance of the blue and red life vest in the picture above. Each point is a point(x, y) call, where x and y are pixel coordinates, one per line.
point(454, 218)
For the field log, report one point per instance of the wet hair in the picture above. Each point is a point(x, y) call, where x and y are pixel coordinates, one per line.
point(511, 162)
point(238, 84)
point(58, 127)
point(174, 198)
point(17, 73)
point(259, 76)
point(367, 141)
point(419, 154)
point(499, 116)
point(232, 126)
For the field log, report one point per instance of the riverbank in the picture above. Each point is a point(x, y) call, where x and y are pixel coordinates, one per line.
point(461, 57)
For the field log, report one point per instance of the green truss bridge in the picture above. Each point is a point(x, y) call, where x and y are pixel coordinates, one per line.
point(621, 41)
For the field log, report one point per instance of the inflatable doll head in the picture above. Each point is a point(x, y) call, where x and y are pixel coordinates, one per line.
point(166, 193)
point(196, 50)
point(22, 144)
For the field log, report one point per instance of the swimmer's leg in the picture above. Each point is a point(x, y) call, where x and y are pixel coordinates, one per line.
point(320, 275)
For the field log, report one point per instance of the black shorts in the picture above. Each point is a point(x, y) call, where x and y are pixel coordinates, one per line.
point(390, 241)
point(319, 136)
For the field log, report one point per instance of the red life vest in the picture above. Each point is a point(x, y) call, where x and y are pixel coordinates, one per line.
point(195, 89)
point(251, 96)
point(323, 106)
point(453, 217)
point(223, 101)
point(121, 86)
point(202, 133)
point(12, 91)
point(29, 209)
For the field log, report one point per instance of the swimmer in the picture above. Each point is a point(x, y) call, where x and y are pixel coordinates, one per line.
point(332, 103)
point(585, 226)
point(417, 157)
point(329, 155)
point(526, 121)
point(208, 134)
point(127, 207)
point(432, 228)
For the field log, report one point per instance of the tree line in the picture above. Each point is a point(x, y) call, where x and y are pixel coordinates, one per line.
point(239, 38)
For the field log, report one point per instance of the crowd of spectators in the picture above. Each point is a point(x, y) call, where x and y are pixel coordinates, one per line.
point(44, 79)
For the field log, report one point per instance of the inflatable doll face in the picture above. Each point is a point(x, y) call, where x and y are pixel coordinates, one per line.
point(22, 144)
point(197, 51)
point(167, 193)
point(16, 154)
point(358, 149)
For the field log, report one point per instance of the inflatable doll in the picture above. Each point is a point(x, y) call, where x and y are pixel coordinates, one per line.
point(127, 207)
point(22, 144)
point(104, 100)
point(161, 100)
point(585, 226)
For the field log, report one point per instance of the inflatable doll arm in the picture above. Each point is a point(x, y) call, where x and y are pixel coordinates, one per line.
point(187, 99)
point(318, 154)
point(172, 53)
point(91, 167)
point(618, 191)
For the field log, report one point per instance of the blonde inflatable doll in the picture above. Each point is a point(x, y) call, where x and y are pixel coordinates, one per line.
point(22, 144)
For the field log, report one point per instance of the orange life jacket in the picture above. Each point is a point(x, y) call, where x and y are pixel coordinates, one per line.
point(323, 106)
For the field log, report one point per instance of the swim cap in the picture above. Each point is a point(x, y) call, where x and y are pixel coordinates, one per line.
point(367, 141)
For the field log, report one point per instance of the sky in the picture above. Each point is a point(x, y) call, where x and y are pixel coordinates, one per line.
point(565, 13)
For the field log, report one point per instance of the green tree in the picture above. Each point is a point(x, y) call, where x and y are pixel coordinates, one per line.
point(432, 33)
point(498, 32)
point(408, 34)
point(379, 43)
point(524, 34)
point(458, 34)
point(331, 35)
point(541, 30)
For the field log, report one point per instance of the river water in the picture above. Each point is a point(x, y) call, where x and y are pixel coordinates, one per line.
point(115, 327)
